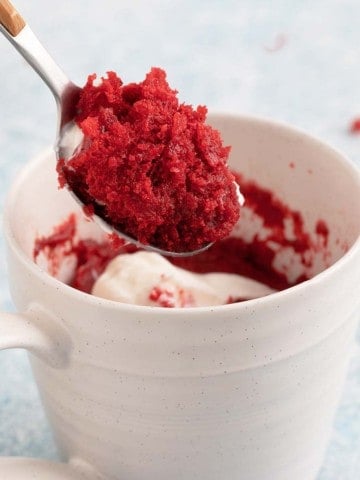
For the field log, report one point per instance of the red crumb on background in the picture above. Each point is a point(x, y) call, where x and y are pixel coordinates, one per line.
point(151, 166)
point(279, 42)
point(355, 126)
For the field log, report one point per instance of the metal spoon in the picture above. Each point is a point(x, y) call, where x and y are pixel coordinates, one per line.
point(66, 93)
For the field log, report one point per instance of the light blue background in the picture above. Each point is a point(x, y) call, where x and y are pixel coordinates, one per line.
point(215, 54)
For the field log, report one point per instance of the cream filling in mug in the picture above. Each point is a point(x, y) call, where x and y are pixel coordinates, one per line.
point(245, 391)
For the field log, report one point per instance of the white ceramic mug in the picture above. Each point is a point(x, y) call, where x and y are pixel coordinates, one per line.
point(245, 391)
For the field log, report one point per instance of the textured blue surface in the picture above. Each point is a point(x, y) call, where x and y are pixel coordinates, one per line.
point(216, 53)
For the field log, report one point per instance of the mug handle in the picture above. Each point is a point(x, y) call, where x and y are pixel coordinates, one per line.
point(34, 332)
point(50, 342)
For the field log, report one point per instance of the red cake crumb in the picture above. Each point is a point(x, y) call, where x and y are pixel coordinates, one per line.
point(278, 43)
point(165, 297)
point(355, 126)
point(323, 230)
point(151, 166)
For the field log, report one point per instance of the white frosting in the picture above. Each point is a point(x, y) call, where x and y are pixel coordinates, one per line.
point(147, 278)
point(240, 196)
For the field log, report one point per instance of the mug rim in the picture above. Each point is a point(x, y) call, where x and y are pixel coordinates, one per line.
point(175, 311)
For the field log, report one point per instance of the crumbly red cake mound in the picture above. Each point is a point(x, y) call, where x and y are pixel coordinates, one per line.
point(150, 165)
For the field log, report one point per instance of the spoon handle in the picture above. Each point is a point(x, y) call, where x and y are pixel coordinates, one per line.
point(10, 18)
point(18, 32)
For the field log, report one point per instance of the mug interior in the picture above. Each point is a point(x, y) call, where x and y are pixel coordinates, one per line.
point(305, 174)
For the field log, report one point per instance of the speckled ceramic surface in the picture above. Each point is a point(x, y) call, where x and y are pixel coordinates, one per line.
point(247, 390)
point(292, 61)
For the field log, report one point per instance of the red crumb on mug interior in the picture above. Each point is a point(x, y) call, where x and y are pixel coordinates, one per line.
point(254, 259)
